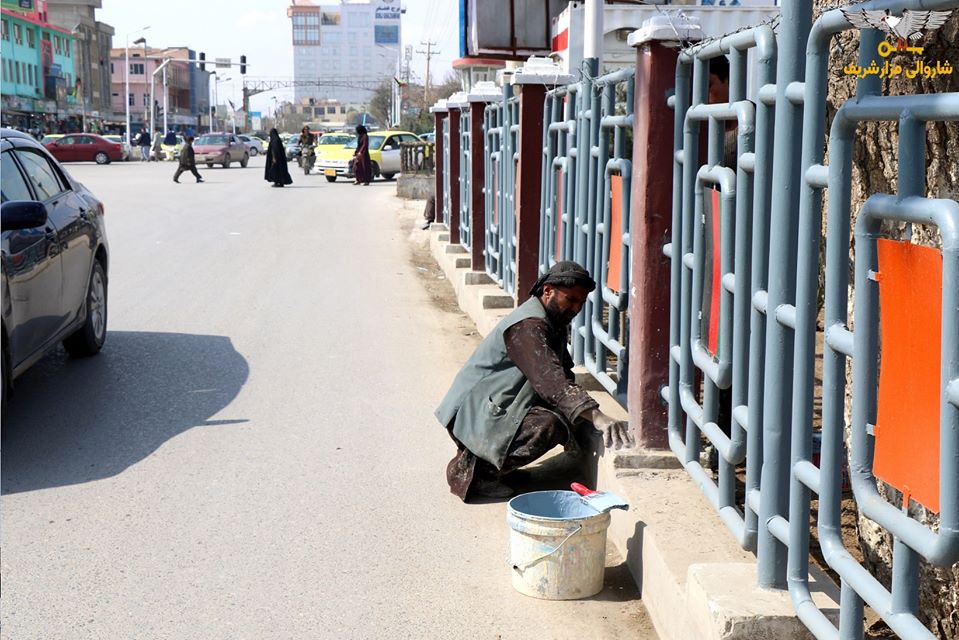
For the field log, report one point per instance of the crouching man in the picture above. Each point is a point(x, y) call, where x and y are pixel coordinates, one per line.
point(515, 398)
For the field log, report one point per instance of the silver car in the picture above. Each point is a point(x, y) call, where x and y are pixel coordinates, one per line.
point(255, 144)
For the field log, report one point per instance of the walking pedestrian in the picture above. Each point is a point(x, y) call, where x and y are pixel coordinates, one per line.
point(187, 161)
point(157, 146)
point(362, 165)
point(276, 169)
point(143, 141)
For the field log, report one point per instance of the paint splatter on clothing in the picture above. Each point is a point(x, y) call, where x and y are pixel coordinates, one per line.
point(539, 350)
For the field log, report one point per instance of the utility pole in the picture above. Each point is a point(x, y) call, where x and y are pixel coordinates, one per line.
point(430, 52)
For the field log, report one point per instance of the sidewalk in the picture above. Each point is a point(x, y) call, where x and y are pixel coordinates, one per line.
point(694, 580)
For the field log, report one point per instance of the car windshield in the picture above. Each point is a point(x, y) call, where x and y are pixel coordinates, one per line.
point(212, 140)
point(114, 138)
point(331, 138)
point(375, 142)
point(49, 139)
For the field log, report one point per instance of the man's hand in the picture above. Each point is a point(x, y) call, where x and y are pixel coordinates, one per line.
point(615, 432)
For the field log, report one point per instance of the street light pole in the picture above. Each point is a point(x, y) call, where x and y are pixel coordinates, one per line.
point(126, 75)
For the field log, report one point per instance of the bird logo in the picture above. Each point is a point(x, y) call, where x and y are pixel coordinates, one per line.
point(907, 27)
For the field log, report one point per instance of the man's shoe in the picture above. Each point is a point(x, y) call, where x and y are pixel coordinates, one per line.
point(490, 489)
point(199, 180)
point(176, 181)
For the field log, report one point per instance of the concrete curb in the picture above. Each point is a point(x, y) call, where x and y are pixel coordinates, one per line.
point(695, 581)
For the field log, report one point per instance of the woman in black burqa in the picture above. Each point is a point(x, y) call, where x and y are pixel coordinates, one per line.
point(362, 165)
point(276, 171)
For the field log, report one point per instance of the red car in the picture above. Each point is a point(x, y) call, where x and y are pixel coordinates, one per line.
point(85, 147)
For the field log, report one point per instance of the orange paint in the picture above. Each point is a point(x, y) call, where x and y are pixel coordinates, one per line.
point(559, 215)
point(614, 235)
point(712, 339)
point(910, 385)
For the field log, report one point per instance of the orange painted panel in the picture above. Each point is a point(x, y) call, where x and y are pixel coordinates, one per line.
point(615, 234)
point(713, 233)
point(907, 423)
point(558, 249)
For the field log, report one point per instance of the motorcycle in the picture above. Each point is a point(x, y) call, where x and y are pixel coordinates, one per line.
point(307, 159)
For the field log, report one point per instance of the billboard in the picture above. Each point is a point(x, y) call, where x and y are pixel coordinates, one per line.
point(507, 29)
point(388, 13)
point(330, 18)
point(386, 34)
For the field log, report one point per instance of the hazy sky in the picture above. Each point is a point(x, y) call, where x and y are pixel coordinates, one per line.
point(260, 30)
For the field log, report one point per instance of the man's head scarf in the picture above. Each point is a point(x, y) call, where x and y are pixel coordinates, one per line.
point(564, 274)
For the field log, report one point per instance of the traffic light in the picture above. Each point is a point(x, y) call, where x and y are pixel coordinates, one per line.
point(202, 61)
point(242, 64)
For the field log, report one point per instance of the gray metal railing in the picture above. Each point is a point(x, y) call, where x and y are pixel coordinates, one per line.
point(465, 180)
point(721, 359)
point(745, 279)
point(446, 171)
point(502, 153)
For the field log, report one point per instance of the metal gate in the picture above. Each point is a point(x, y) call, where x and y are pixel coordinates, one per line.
point(501, 156)
point(465, 179)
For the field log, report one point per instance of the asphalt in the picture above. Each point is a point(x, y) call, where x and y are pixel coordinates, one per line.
point(254, 454)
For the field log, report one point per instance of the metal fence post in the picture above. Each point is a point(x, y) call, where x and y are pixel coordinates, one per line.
point(532, 80)
point(482, 94)
point(453, 103)
point(776, 426)
point(649, 226)
point(439, 116)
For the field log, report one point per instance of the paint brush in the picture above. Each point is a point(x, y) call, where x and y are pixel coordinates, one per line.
point(602, 501)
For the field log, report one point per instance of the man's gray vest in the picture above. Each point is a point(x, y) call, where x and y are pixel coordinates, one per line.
point(490, 395)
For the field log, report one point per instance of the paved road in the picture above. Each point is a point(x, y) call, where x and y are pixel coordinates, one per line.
point(254, 455)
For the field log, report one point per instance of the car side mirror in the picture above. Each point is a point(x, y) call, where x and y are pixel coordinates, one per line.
point(22, 214)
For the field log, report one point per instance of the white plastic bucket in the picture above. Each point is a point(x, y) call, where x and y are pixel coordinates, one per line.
point(557, 545)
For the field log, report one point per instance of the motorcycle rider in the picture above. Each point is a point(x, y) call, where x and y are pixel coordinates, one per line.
point(307, 142)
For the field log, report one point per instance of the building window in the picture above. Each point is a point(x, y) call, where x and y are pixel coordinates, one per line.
point(136, 69)
point(146, 99)
point(17, 68)
point(111, 68)
point(130, 100)
point(56, 45)
point(17, 34)
point(30, 74)
point(31, 38)
point(4, 30)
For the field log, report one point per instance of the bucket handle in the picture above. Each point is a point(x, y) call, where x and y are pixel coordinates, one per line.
point(522, 567)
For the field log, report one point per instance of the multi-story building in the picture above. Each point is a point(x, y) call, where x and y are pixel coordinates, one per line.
point(91, 53)
point(346, 48)
point(38, 76)
point(184, 100)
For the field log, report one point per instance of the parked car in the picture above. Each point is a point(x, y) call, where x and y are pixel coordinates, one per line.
point(85, 147)
point(54, 258)
point(428, 137)
point(292, 147)
point(254, 143)
point(127, 150)
point(221, 148)
point(384, 153)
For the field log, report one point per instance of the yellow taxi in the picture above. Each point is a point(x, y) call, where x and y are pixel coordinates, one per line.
point(384, 154)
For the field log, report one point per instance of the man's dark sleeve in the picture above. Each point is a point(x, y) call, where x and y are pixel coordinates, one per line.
point(527, 345)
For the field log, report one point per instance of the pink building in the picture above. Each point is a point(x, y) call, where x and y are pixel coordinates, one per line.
point(187, 88)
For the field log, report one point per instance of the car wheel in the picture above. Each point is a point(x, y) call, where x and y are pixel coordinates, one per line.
point(226, 161)
point(245, 161)
point(209, 165)
point(253, 152)
point(331, 178)
point(88, 339)
point(101, 158)
point(388, 176)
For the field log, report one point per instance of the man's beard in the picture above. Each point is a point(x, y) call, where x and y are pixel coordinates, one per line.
point(556, 315)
